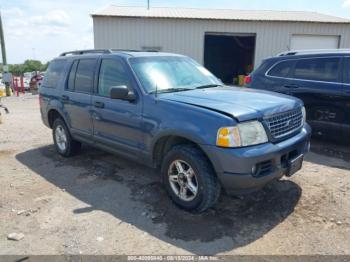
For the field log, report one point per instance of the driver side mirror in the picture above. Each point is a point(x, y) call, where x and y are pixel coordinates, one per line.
point(122, 92)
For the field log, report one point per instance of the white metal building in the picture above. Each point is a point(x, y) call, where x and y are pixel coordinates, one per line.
point(227, 42)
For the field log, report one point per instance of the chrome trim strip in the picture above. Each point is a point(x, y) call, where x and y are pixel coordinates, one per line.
point(305, 80)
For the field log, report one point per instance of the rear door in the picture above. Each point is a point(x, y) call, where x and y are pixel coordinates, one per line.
point(77, 96)
point(318, 82)
point(346, 92)
point(117, 123)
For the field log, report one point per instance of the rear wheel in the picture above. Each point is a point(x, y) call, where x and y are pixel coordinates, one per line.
point(64, 143)
point(190, 179)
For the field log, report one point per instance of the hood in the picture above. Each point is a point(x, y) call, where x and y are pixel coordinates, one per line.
point(241, 103)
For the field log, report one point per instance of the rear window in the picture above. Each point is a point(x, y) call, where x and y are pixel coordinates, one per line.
point(53, 73)
point(318, 69)
point(71, 78)
point(84, 76)
point(281, 69)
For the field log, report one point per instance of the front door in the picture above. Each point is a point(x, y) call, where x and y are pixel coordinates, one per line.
point(117, 123)
point(318, 82)
point(77, 96)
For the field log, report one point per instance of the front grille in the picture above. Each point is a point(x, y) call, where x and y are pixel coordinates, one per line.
point(284, 124)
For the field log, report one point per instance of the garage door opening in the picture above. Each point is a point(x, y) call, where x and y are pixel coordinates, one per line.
point(228, 56)
point(303, 42)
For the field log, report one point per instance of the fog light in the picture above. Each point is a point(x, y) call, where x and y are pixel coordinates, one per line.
point(254, 168)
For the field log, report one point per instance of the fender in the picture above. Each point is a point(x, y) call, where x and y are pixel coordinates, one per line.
point(178, 133)
point(55, 104)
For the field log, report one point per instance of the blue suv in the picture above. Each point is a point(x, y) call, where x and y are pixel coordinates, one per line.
point(320, 78)
point(168, 112)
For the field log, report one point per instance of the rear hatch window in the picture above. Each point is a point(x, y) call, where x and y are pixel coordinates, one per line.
point(54, 73)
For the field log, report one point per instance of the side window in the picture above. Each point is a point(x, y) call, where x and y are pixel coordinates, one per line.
point(71, 77)
point(281, 69)
point(347, 71)
point(112, 73)
point(319, 69)
point(54, 73)
point(84, 76)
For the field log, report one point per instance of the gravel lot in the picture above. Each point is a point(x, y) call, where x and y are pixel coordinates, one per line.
point(97, 203)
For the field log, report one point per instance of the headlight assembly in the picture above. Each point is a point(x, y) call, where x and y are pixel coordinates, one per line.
point(244, 134)
point(303, 110)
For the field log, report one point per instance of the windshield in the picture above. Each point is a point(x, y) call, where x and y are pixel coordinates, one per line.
point(171, 74)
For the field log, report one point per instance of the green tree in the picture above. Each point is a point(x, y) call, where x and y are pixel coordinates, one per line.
point(32, 65)
point(28, 66)
point(16, 69)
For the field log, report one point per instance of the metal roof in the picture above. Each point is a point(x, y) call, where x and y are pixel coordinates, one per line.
point(219, 14)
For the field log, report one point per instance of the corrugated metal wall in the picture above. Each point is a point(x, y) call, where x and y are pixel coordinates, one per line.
point(186, 36)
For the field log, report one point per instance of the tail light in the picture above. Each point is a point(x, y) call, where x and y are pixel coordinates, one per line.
point(247, 80)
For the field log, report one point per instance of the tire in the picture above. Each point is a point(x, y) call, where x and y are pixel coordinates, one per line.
point(65, 145)
point(202, 186)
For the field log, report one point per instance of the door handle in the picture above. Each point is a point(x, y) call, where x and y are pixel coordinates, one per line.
point(99, 104)
point(291, 86)
point(65, 98)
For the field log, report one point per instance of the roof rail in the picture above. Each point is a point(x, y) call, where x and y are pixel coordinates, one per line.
point(133, 50)
point(87, 51)
point(313, 51)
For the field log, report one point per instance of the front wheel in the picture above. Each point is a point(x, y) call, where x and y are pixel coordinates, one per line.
point(64, 143)
point(190, 179)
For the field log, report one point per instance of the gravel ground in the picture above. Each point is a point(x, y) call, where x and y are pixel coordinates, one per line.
point(97, 203)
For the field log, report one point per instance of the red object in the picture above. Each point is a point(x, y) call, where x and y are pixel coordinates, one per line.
point(247, 79)
point(22, 84)
point(16, 85)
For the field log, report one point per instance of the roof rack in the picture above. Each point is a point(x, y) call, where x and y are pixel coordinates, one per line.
point(102, 51)
point(313, 51)
point(88, 51)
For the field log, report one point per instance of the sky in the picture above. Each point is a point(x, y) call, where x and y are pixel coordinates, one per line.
point(42, 29)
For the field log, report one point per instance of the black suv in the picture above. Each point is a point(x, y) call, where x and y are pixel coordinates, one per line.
point(321, 78)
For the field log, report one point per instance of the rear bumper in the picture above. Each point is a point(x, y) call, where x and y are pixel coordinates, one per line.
point(234, 166)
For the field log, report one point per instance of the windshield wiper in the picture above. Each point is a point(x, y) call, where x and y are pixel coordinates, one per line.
point(207, 86)
point(169, 90)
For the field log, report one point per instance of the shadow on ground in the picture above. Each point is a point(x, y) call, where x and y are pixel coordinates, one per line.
point(101, 180)
point(338, 152)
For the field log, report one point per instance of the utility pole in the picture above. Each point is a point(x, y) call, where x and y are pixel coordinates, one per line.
point(3, 49)
point(6, 77)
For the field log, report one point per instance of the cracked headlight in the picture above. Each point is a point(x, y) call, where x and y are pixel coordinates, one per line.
point(243, 134)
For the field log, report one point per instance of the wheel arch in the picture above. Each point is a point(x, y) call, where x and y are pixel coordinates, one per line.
point(164, 143)
point(53, 114)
